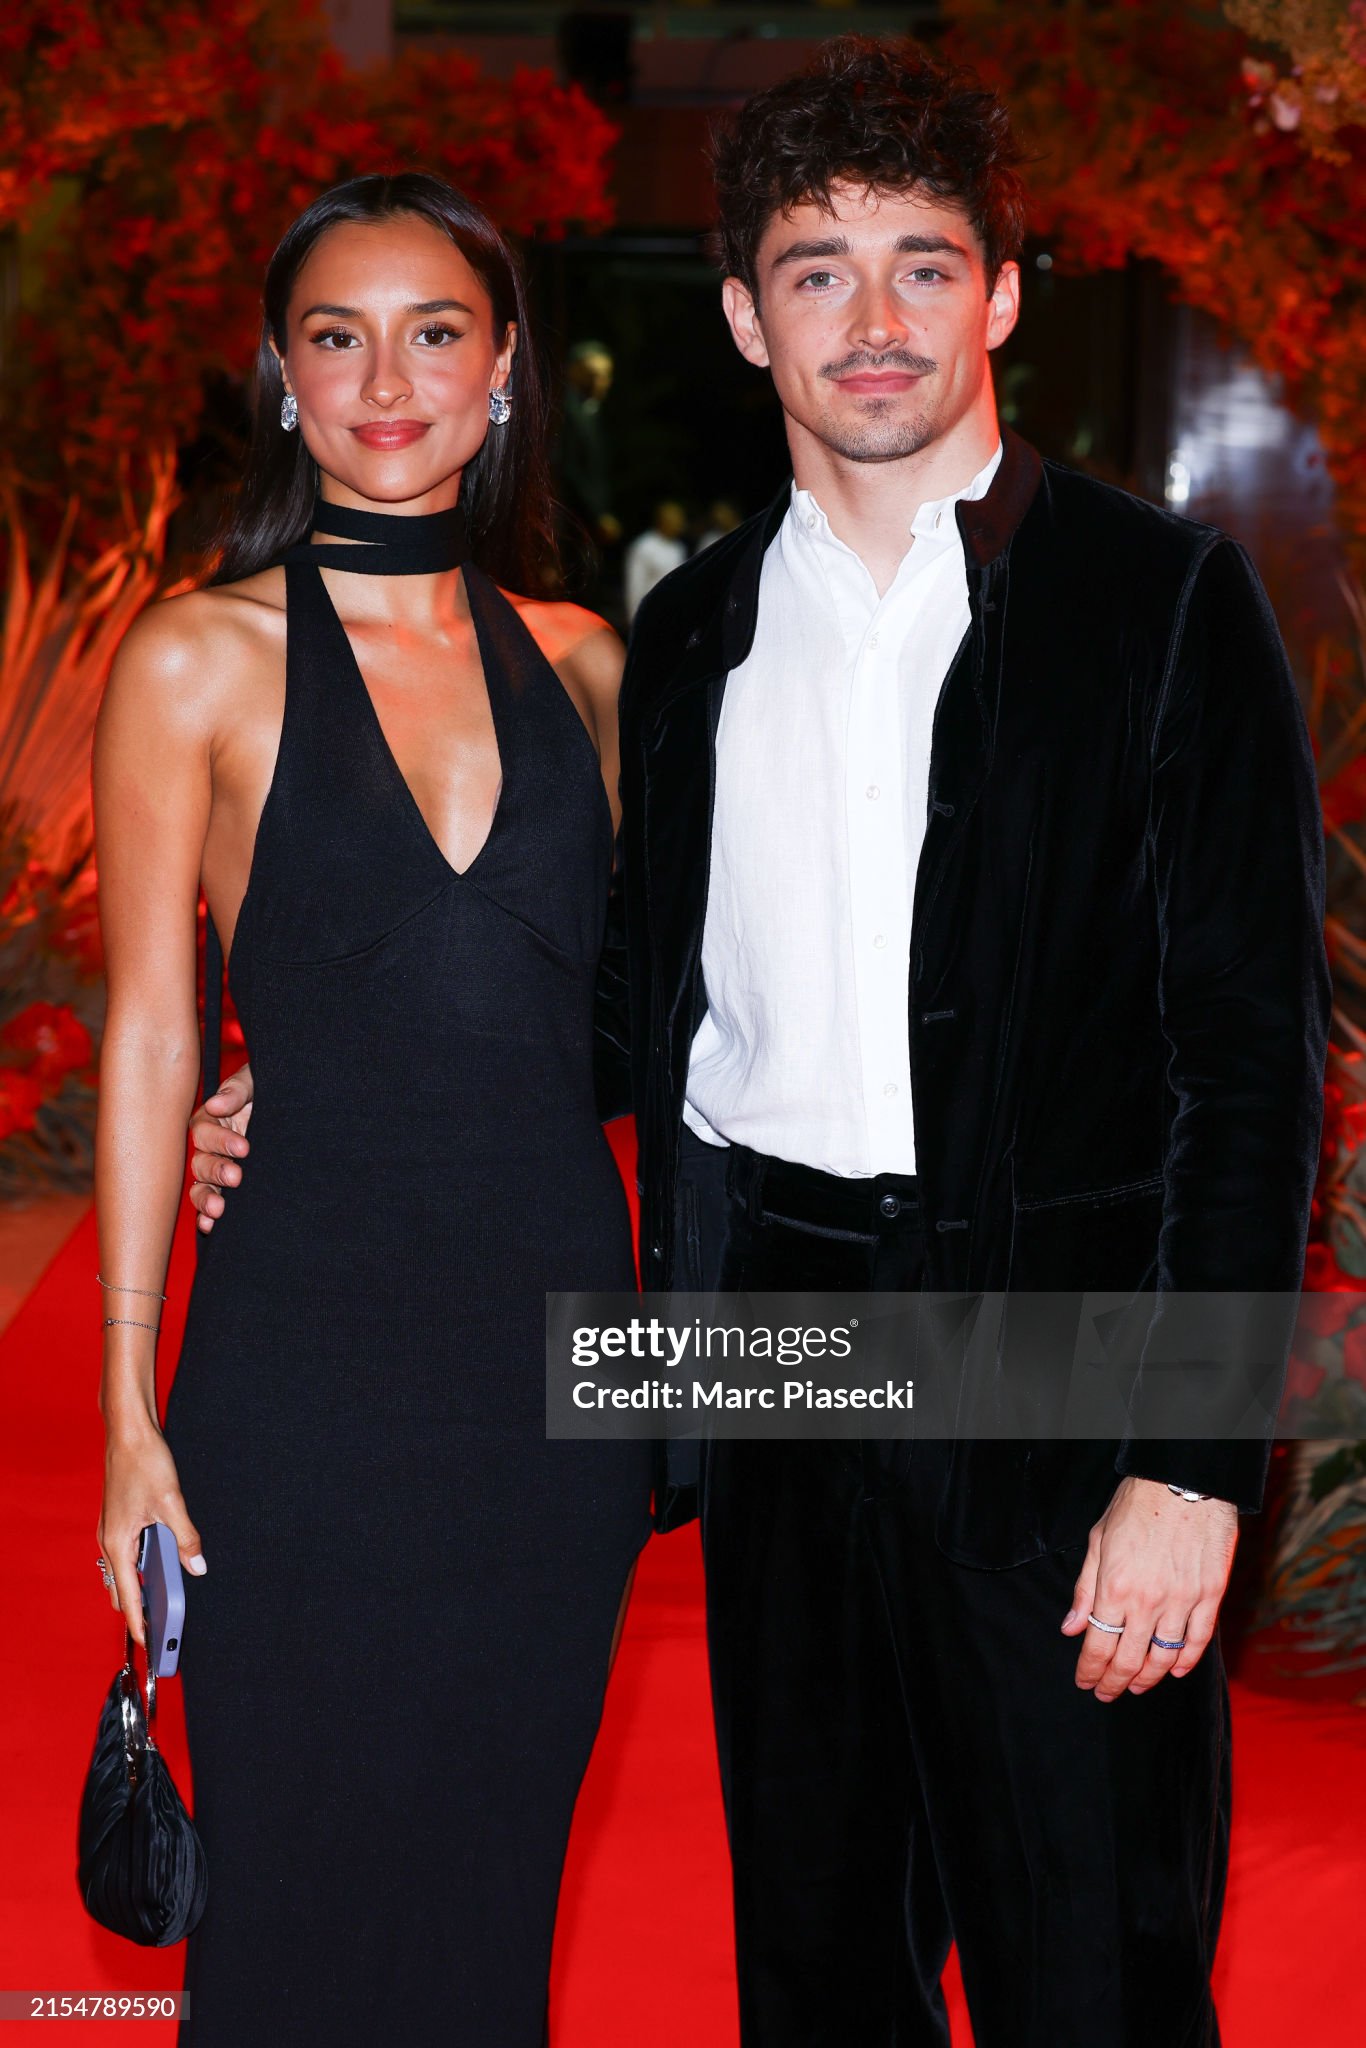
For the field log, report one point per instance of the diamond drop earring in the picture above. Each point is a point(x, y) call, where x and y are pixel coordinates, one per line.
point(289, 411)
point(500, 408)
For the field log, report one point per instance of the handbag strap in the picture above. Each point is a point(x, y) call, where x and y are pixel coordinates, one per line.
point(213, 1006)
point(138, 1704)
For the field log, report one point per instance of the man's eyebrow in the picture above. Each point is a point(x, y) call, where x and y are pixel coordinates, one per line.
point(931, 245)
point(803, 252)
point(838, 245)
point(421, 306)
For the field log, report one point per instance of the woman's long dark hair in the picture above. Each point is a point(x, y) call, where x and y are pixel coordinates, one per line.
point(505, 489)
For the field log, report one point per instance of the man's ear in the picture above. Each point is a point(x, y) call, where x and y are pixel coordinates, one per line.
point(1003, 307)
point(742, 315)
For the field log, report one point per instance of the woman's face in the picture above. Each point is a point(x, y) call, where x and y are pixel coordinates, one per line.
point(391, 354)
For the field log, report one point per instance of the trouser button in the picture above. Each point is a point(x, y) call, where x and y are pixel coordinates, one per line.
point(890, 1205)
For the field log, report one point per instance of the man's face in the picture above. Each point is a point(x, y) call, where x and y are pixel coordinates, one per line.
point(593, 376)
point(874, 319)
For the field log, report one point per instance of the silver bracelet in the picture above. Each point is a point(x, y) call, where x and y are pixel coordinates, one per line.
point(1186, 1493)
point(111, 1287)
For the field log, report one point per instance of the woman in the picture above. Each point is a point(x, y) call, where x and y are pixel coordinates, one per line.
point(397, 786)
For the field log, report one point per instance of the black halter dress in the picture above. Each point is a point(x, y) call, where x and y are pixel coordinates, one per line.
point(394, 1666)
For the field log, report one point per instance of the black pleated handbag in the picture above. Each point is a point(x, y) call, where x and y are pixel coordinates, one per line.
point(141, 1866)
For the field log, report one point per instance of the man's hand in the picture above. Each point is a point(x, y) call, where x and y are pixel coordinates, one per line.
point(218, 1129)
point(1159, 1565)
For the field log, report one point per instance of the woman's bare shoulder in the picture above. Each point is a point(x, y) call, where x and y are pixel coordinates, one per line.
point(184, 654)
point(577, 642)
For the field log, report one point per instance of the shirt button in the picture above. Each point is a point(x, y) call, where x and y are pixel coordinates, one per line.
point(872, 639)
point(810, 518)
point(890, 1088)
point(879, 938)
point(872, 792)
point(890, 1205)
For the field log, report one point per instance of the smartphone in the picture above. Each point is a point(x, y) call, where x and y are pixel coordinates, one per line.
point(163, 1597)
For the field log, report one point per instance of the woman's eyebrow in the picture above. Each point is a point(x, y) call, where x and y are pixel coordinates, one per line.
point(421, 306)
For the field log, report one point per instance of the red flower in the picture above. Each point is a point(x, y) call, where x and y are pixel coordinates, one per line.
point(21, 1096)
point(1330, 1298)
point(50, 1041)
point(1344, 796)
point(1302, 1381)
point(1354, 1354)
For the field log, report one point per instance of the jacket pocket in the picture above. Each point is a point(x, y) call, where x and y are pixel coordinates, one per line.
point(1097, 1239)
point(1118, 1191)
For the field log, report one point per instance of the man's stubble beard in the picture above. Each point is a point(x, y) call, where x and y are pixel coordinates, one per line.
point(880, 436)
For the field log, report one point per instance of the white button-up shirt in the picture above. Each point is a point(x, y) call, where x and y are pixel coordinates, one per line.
point(822, 778)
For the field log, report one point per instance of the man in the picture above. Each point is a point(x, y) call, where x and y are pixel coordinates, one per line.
point(654, 553)
point(722, 518)
point(583, 470)
point(974, 887)
point(974, 876)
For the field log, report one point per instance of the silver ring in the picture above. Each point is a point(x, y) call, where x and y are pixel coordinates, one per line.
point(105, 1572)
point(1161, 1643)
point(1110, 1628)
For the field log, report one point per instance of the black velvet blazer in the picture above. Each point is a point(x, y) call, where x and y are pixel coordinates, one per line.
point(1118, 996)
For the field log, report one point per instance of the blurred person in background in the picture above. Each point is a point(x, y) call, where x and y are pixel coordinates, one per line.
point(655, 552)
point(582, 459)
point(722, 518)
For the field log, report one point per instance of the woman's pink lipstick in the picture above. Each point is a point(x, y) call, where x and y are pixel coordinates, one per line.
point(384, 435)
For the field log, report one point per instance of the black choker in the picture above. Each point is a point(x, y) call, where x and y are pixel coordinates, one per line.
point(394, 544)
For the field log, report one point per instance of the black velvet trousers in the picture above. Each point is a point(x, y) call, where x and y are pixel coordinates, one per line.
point(905, 1756)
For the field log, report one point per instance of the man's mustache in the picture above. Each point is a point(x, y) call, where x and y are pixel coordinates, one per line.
point(895, 359)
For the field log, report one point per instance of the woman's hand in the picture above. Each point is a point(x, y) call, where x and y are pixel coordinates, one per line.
point(140, 1487)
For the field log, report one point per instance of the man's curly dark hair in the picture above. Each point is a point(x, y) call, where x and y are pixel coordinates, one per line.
point(881, 115)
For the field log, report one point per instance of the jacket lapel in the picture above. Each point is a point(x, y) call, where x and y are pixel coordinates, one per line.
point(719, 640)
point(679, 748)
point(964, 726)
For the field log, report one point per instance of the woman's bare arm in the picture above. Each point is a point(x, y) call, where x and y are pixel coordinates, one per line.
point(152, 794)
point(596, 664)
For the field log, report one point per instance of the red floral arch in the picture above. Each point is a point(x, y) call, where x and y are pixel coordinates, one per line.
point(1156, 130)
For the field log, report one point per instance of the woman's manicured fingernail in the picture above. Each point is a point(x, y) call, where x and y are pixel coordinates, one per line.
point(197, 1566)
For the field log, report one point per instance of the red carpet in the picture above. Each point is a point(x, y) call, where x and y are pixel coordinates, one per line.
point(644, 1950)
